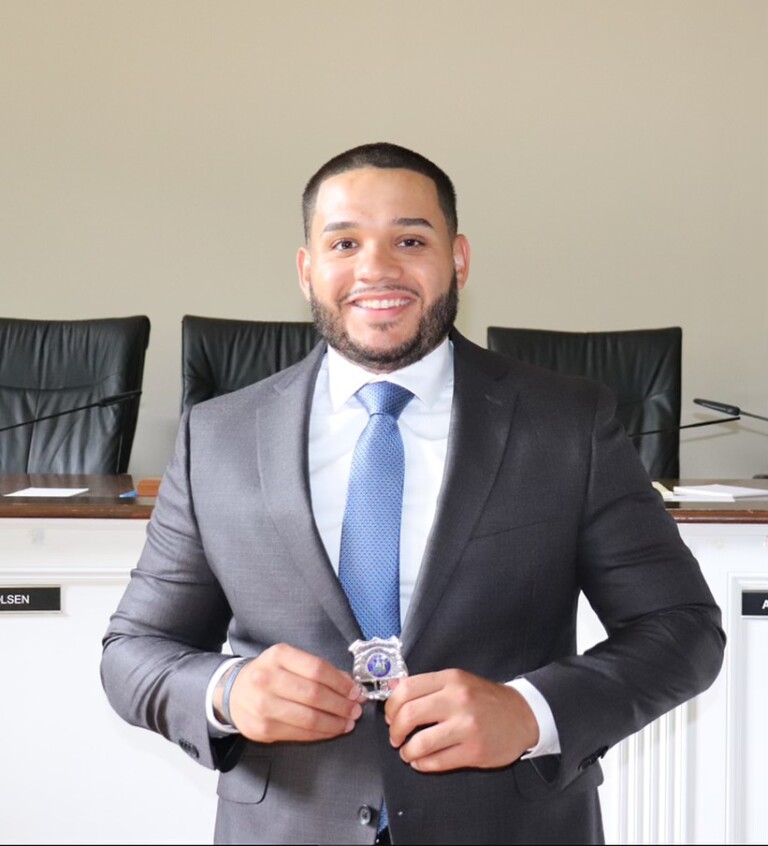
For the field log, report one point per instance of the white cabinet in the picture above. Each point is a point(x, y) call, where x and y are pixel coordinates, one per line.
point(72, 771)
point(699, 775)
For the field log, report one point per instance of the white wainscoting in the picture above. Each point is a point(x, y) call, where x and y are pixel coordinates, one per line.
point(73, 772)
point(699, 775)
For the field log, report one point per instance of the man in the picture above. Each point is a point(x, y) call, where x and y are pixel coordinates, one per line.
point(520, 491)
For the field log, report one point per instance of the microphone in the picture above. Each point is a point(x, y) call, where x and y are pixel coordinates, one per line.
point(724, 408)
point(688, 426)
point(102, 403)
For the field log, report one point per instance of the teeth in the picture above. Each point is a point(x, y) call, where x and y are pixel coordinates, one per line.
point(380, 304)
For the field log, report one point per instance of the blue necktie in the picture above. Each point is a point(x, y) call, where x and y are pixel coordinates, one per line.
point(369, 563)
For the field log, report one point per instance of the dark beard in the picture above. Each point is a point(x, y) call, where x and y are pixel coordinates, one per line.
point(433, 327)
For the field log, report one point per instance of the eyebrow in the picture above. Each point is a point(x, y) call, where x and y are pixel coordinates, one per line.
point(335, 226)
point(412, 221)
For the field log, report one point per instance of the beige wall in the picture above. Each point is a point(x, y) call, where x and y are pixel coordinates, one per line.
point(611, 160)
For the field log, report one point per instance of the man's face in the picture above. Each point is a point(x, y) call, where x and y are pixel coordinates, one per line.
point(381, 270)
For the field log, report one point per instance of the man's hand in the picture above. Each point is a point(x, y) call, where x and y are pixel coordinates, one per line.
point(288, 694)
point(463, 721)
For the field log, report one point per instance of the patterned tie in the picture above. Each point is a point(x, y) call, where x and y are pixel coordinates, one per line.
point(369, 563)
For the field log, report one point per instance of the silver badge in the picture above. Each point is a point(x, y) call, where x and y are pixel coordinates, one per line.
point(377, 663)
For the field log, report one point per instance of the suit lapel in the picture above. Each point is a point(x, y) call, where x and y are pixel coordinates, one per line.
point(282, 458)
point(480, 424)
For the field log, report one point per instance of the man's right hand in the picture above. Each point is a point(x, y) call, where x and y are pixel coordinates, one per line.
point(289, 694)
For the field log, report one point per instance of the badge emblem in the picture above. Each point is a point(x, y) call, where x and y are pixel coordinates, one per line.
point(377, 663)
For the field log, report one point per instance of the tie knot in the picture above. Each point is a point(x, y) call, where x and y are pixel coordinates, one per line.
point(384, 398)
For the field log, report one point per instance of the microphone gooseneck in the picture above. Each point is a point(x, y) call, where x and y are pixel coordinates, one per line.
point(723, 407)
point(116, 398)
point(125, 396)
point(686, 426)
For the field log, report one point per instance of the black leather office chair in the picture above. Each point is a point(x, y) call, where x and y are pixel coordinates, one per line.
point(221, 355)
point(641, 366)
point(49, 366)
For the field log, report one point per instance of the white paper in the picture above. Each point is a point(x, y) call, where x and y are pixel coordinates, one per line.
point(725, 493)
point(48, 492)
point(672, 497)
point(675, 497)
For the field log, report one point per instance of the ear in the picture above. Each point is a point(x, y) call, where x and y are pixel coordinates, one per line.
point(461, 254)
point(303, 262)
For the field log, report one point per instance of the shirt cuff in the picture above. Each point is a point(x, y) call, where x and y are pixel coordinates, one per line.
point(214, 725)
point(549, 739)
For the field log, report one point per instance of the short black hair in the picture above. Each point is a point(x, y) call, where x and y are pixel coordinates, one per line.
point(384, 155)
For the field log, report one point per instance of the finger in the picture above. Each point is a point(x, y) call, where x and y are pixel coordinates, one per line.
point(428, 741)
point(452, 758)
point(313, 696)
point(410, 688)
point(288, 694)
point(276, 718)
point(309, 686)
point(263, 715)
point(417, 714)
point(312, 667)
point(447, 746)
point(425, 700)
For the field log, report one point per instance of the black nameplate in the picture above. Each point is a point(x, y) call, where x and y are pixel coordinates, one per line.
point(30, 599)
point(754, 603)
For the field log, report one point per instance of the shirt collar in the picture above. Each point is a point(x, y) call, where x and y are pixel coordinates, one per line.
point(425, 378)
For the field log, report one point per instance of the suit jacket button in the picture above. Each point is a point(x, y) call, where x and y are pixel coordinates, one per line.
point(364, 815)
point(591, 759)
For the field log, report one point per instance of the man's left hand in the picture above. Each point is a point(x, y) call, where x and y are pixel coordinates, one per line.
point(463, 721)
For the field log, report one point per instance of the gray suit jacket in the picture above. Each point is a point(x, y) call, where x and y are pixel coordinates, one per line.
point(543, 497)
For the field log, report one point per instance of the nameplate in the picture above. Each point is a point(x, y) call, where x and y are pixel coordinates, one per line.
point(30, 599)
point(754, 603)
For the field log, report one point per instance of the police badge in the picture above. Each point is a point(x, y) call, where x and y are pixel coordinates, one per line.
point(377, 662)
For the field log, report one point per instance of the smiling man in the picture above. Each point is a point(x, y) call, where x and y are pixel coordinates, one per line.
point(383, 284)
point(392, 536)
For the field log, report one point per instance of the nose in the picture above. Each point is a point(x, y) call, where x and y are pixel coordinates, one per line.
point(377, 263)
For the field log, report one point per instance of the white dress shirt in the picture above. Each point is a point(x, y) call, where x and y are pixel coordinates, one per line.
point(336, 421)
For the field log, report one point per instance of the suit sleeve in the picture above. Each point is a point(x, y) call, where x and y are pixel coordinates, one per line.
point(164, 640)
point(664, 641)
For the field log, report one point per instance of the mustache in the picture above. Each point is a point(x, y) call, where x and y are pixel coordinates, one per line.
point(378, 290)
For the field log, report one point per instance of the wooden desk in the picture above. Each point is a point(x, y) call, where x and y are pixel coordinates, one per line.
point(102, 501)
point(747, 510)
point(73, 772)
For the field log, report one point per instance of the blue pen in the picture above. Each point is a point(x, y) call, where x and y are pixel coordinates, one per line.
point(128, 494)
